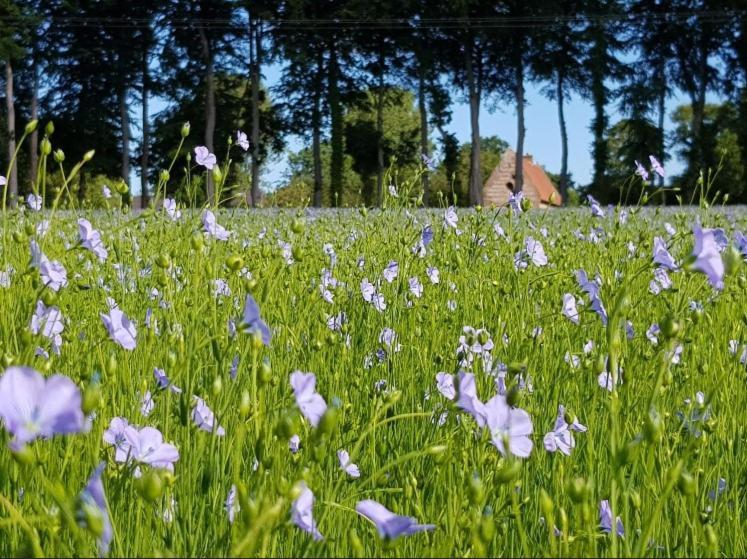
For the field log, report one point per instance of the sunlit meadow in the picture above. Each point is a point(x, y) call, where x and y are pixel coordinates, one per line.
point(399, 382)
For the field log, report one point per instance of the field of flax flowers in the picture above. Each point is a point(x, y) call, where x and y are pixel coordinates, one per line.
point(392, 383)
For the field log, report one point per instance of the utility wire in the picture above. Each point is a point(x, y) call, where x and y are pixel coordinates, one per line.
point(332, 24)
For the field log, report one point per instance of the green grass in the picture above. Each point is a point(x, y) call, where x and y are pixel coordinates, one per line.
point(480, 502)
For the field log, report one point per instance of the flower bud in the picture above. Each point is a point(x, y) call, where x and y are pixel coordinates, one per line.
point(234, 262)
point(49, 129)
point(91, 398)
point(732, 260)
point(355, 544)
point(578, 490)
point(653, 428)
point(475, 491)
point(265, 372)
point(45, 147)
point(111, 367)
point(164, 176)
point(328, 422)
point(635, 499)
point(546, 506)
point(89, 155)
point(513, 398)
point(285, 427)
point(686, 483)
point(711, 538)
point(24, 456)
point(508, 472)
point(163, 261)
point(487, 528)
point(670, 327)
point(217, 386)
point(197, 242)
point(185, 129)
point(217, 174)
point(245, 405)
point(150, 486)
point(526, 204)
point(121, 186)
point(31, 127)
point(436, 449)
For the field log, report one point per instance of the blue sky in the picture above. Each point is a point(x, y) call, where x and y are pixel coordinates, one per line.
point(542, 132)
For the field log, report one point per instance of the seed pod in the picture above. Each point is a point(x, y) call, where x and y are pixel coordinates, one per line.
point(356, 544)
point(653, 428)
point(686, 483)
point(711, 538)
point(91, 398)
point(150, 486)
point(24, 456)
point(49, 297)
point(297, 226)
point(508, 472)
point(234, 262)
point(670, 327)
point(245, 405)
point(475, 491)
point(577, 490)
point(163, 261)
point(265, 372)
point(328, 422)
point(197, 242)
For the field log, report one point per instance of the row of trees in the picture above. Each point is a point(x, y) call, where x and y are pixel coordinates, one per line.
point(86, 64)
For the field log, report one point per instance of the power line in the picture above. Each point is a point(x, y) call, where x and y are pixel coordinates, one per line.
point(332, 24)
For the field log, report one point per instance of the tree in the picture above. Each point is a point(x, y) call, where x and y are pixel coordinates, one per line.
point(562, 63)
point(11, 50)
point(202, 41)
point(232, 92)
point(719, 133)
point(465, 50)
point(699, 41)
point(603, 45)
point(399, 141)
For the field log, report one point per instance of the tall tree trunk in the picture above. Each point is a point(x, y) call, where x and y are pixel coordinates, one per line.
point(34, 138)
point(661, 113)
point(475, 172)
point(124, 113)
point(423, 109)
point(563, 140)
point(698, 98)
point(599, 100)
point(380, 133)
point(11, 118)
point(207, 55)
point(145, 155)
point(519, 169)
point(256, 73)
point(336, 128)
point(316, 124)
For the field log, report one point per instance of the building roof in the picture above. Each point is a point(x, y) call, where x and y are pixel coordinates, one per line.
point(545, 188)
point(538, 187)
